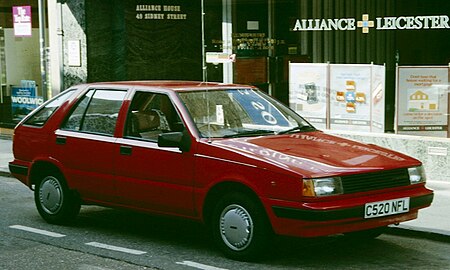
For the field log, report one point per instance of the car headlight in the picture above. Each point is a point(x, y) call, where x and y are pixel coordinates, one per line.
point(417, 175)
point(318, 187)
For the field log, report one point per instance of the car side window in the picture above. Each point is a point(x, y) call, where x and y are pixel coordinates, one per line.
point(96, 112)
point(151, 114)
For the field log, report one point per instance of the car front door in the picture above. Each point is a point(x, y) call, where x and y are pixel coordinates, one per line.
point(149, 177)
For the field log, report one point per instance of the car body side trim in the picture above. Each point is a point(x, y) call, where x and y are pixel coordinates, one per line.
point(86, 135)
point(226, 160)
point(328, 215)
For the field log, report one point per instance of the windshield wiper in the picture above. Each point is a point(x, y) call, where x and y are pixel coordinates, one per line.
point(253, 132)
point(297, 129)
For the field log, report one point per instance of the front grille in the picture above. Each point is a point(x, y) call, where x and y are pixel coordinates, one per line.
point(375, 181)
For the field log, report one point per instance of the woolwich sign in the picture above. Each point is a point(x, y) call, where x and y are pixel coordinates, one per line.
point(380, 23)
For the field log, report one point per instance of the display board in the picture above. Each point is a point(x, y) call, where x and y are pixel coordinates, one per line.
point(378, 98)
point(350, 97)
point(422, 100)
point(339, 96)
point(308, 91)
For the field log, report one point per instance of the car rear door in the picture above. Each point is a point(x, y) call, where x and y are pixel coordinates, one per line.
point(85, 144)
point(150, 177)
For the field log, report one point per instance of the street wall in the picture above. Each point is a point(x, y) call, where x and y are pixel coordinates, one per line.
point(433, 152)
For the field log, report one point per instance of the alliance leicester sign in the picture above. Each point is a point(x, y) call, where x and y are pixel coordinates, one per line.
point(382, 23)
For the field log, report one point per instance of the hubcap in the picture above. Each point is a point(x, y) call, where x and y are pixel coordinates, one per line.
point(50, 195)
point(236, 227)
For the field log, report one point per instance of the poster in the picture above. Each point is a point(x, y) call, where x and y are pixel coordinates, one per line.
point(24, 100)
point(350, 97)
point(308, 92)
point(422, 101)
point(22, 21)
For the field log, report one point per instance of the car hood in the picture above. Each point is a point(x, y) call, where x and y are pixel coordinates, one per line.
point(316, 154)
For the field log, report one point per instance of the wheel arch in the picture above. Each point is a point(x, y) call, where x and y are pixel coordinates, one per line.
point(42, 168)
point(223, 188)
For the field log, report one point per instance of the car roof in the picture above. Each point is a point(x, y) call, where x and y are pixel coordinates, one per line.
point(171, 85)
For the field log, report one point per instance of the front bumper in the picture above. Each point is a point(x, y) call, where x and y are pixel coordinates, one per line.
point(329, 215)
point(341, 216)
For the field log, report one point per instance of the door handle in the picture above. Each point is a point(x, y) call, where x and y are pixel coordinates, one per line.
point(61, 140)
point(126, 150)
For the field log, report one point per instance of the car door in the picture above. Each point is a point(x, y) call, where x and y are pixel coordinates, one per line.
point(85, 144)
point(149, 177)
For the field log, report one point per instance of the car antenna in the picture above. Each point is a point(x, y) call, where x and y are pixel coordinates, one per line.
point(207, 113)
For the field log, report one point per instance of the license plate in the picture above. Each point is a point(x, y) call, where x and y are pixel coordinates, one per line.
point(386, 208)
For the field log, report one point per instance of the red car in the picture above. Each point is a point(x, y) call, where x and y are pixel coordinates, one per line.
point(226, 155)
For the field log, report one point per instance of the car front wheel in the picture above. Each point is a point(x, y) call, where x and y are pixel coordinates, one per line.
point(240, 227)
point(55, 202)
point(366, 234)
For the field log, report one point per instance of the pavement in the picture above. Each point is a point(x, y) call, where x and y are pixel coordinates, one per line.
point(433, 222)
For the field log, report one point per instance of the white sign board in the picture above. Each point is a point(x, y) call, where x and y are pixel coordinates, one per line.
point(74, 53)
point(422, 101)
point(218, 57)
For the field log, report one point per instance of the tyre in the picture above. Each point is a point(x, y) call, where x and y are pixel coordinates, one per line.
point(366, 234)
point(240, 227)
point(54, 201)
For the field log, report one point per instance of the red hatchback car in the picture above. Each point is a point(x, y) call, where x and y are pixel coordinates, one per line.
point(226, 155)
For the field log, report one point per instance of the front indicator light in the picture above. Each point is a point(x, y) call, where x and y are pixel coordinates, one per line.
point(318, 187)
point(417, 175)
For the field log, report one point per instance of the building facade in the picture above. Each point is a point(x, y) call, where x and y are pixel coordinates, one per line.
point(97, 40)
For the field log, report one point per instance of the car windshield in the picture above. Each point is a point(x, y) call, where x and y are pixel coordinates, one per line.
point(228, 113)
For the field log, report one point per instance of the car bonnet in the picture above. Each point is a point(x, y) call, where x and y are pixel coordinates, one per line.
point(316, 154)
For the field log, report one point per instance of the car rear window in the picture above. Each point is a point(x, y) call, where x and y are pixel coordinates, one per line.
point(39, 117)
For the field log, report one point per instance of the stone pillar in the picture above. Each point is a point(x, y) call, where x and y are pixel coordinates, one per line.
point(73, 14)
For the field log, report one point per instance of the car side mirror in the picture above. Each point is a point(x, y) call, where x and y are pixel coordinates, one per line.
point(175, 139)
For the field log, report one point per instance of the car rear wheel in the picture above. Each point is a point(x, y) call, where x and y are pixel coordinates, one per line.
point(55, 202)
point(240, 227)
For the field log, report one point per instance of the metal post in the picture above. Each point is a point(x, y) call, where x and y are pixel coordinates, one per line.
point(41, 7)
point(1, 63)
point(204, 67)
point(227, 39)
point(270, 36)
